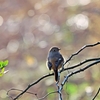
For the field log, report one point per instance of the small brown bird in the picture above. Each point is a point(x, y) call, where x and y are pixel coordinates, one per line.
point(55, 61)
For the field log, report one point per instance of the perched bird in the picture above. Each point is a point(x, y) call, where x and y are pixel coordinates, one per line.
point(55, 61)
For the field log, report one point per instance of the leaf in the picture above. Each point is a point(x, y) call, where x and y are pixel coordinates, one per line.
point(2, 72)
point(51, 96)
point(71, 88)
point(3, 64)
point(50, 89)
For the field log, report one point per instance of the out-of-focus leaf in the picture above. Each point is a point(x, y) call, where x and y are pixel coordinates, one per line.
point(2, 72)
point(50, 89)
point(3, 64)
point(2, 69)
point(51, 96)
point(71, 88)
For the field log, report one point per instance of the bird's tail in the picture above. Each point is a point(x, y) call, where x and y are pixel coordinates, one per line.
point(56, 75)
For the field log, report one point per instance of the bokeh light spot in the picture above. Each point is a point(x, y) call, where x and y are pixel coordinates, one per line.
point(45, 25)
point(28, 38)
point(77, 2)
point(84, 2)
point(80, 21)
point(38, 6)
point(13, 46)
point(70, 21)
point(31, 12)
point(31, 61)
point(3, 93)
point(45, 2)
point(72, 2)
point(1, 20)
point(42, 44)
point(47, 28)
point(3, 54)
point(89, 90)
point(43, 19)
point(13, 25)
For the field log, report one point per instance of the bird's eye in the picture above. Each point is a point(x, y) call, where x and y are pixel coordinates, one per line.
point(54, 50)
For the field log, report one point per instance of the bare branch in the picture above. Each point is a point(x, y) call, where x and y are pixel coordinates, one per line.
point(60, 94)
point(83, 62)
point(76, 53)
point(96, 94)
point(20, 91)
point(45, 76)
point(97, 60)
point(75, 72)
point(47, 95)
point(30, 85)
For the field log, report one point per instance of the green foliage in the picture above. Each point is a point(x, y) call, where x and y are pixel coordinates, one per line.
point(71, 88)
point(3, 64)
point(51, 96)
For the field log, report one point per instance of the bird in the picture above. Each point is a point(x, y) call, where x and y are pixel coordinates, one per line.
point(55, 61)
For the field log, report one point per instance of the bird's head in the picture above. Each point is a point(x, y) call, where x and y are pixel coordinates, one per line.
point(54, 49)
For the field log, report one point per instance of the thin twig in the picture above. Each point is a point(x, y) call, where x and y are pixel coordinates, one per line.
point(76, 53)
point(96, 94)
point(47, 95)
point(81, 63)
point(19, 90)
point(60, 94)
point(30, 85)
point(45, 76)
point(75, 72)
point(69, 75)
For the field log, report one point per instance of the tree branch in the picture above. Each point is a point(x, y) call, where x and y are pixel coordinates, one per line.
point(96, 94)
point(97, 60)
point(45, 76)
point(71, 74)
point(81, 63)
point(13, 89)
point(47, 95)
point(76, 53)
point(75, 72)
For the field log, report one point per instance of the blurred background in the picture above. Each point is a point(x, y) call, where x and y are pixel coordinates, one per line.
point(28, 28)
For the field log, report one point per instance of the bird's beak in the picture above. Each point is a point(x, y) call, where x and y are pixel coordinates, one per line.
point(59, 49)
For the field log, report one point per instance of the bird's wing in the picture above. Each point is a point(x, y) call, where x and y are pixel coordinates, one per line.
point(59, 61)
point(49, 65)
